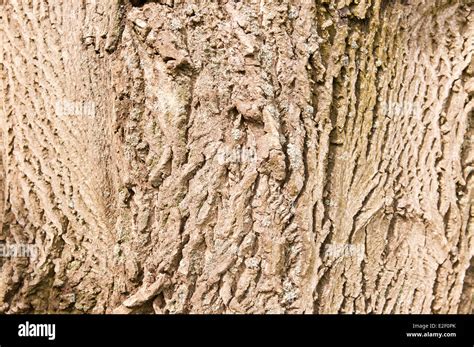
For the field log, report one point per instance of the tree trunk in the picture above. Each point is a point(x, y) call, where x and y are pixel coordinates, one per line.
point(237, 156)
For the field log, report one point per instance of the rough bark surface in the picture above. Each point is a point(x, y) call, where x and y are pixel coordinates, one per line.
point(244, 156)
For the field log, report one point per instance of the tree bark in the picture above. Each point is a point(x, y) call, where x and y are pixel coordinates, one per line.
point(237, 156)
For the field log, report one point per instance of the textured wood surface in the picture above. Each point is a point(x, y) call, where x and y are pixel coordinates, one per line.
point(237, 156)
